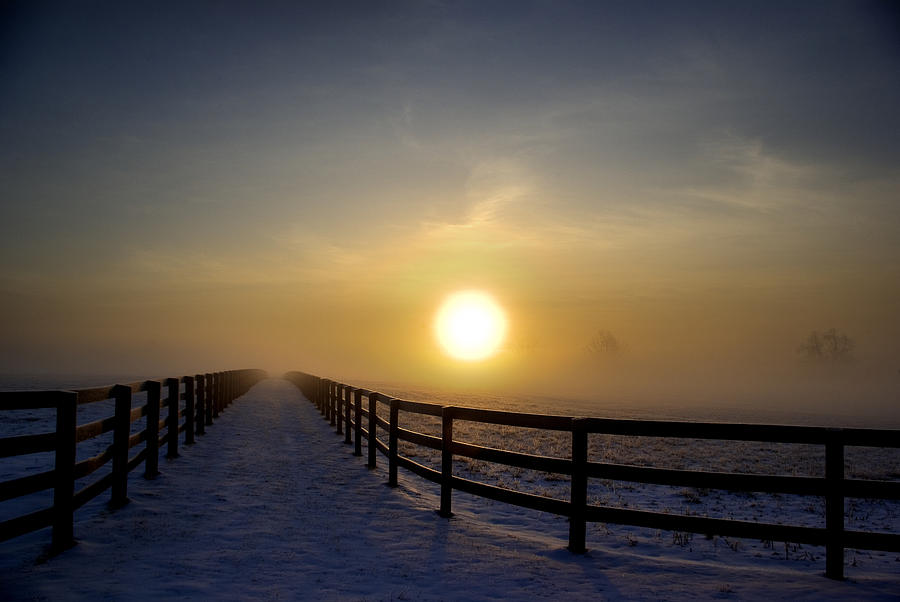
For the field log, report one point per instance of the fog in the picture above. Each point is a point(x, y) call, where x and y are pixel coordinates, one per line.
point(296, 186)
point(680, 355)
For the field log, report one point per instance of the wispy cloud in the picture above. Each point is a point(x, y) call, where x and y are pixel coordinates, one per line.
point(495, 186)
point(743, 174)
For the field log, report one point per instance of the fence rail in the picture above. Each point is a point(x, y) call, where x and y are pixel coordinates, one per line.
point(342, 406)
point(204, 396)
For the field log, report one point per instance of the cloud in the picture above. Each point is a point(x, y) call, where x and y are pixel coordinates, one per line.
point(494, 187)
point(743, 174)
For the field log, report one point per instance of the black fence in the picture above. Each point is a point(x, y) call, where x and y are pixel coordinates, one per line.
point(342, 405)
point(190, 402)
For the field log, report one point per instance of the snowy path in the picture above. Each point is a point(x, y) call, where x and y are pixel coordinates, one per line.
point(247, 513)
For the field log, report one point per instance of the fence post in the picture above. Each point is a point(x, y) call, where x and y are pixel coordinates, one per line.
point(348, 392)
point(392, 443)
point(446, 461)
point(200, 379)
point(174, 389)
point(339, 407)
point(320, 398)
point(216, 393)
point(64, 472)
point(329, 400)
point(834, 505)
point(373, 401)
point(332, 407)
point(189, 410)
point(208, 400)
point(121, 431)
point(223, 391)
point(357, 428)
point(578, 493)
point(151, 462)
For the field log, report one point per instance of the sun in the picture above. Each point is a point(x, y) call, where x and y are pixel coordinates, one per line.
point(470, 325)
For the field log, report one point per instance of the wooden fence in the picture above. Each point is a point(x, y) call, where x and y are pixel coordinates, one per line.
point(204, 397)
point(342, 405)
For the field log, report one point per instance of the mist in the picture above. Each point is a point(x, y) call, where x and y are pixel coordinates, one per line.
point(301, 190)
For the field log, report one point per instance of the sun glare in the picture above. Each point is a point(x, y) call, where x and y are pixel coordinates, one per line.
point(470, 325)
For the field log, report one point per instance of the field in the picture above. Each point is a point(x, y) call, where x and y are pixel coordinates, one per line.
point(674, 453)
point(668, 546)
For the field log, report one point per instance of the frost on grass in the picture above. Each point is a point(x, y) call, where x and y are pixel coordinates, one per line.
point(745, 457)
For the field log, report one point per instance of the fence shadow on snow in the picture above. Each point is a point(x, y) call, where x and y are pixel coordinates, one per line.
point(342, 404)
point(191, 402)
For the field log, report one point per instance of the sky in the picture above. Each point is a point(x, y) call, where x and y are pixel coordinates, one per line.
point(198, 186)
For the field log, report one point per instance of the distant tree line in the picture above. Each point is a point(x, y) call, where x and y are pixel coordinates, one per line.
point(830, 345)
point(604, 343)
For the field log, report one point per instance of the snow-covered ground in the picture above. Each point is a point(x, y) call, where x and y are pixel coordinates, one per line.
point(270, 504)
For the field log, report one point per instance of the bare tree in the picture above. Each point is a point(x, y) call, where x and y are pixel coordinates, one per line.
point(831, 345)
point(604, 342)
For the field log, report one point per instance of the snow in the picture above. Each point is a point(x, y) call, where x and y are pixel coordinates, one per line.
point(271, 504)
